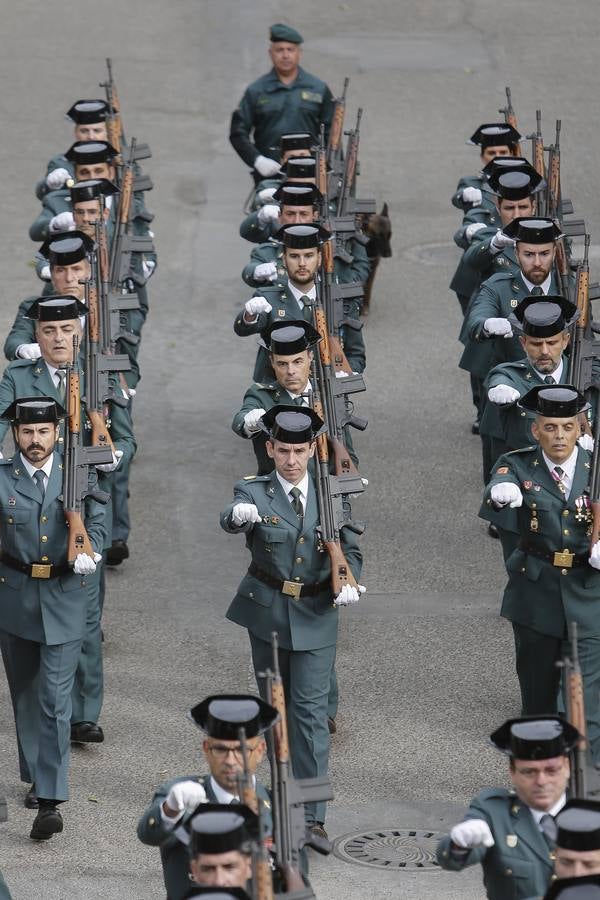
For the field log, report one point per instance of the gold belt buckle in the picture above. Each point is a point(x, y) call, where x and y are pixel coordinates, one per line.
point(563, 559)
point(40, 570)
point(292, 589)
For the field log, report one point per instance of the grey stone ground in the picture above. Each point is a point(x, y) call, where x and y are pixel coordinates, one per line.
point(425, 663)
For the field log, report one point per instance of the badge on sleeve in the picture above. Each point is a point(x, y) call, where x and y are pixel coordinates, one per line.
point(281, 312)
point(511, 840)
point(514, 302)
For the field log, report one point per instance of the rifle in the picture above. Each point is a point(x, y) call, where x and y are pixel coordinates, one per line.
point(348, 185)
point(575, 711)
point(584, 349)
point(262, 883)
point(554, 211)
point(113, 301)
point(124, 243)
point(334, 147)
point(537, 154)
point(510, 117)
point(77, 461)
point(114, 124)
point(289, 794)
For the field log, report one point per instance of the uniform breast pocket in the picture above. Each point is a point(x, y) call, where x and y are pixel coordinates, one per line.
point(517, 868)
point(272, 538)
point(14, 517)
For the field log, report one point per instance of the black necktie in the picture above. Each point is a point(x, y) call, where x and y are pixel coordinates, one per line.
point(536, 291)
point(38, 476)
point(297, 502)
point(549, 380)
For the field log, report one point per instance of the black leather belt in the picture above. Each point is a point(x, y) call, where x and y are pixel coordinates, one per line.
point(35, 570)
point(563, 559)
point(296, 589)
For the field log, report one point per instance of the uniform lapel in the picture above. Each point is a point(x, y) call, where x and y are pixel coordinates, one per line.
point(55, 482)
point(311, 514)
point(279, 502)
point(581, 476)
point(542, 474)
point(24, 484)
point(43, 382)
point(528, 832)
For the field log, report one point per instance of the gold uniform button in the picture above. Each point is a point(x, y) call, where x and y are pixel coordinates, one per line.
point(44, 519)
point(10, 520)
point(61, 440)
point(299, 559)
point(297, 578)
point(508, 871)
point(2, 580)
point(251, 594)
point(533, 505)
point(300, 540)
point(566, 531)
point(564, 571)
point(523, 569)
point(151, 821)
point(44, 559)
point(523, 414)
point(565, 512)
point(43, 539)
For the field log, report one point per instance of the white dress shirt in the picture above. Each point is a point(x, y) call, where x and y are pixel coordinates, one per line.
point(557, 374)
point(302, 487)
point(54, 375)
point(538, 814)
point(568, 467)
point(307, 390)
point(545, 285)
point(31, 470)
point(297, 294)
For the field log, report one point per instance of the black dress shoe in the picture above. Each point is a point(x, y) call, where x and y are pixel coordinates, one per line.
point(475, 427)
point(331, 725)
point(117, 553)
point(47, 822)
point(493, 531)
point(318, 829)
point(31, 800)
point(86, 733)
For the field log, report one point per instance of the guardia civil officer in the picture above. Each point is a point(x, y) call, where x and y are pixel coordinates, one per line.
point(503, 829)
point(288, 586)
point(553, 576)
point(576, 833)
point(493, 139)
point(221, 839)
point(285, 100)
point(220, 717)
point(43, 602)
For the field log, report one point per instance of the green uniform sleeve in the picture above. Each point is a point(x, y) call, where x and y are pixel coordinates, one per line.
point(22, 331)
point(241, 128)
point(252, 230)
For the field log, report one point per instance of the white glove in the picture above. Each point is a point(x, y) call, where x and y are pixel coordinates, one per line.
point(266, 271)
point(268, 213)
point(500, 241)
point(44, 273)
point(595, 556)
point(244, 512)
point(57, 178)
point(28, 351)
point(131, 392)
point(472, 230)
point(85, 565)
point(110, 467)
point(502, 394)
point(341, 374)
point(587, 442)
point(266, 194)
point(256, 305)
point(266, 166)
point(185, 796)
point(251, 420)
point(499, 327)
point(64, 221)
point(148, 267)
point(349, 595)
point(507, 493)
point(472, 195)
point(1, 455)
point(472, 833)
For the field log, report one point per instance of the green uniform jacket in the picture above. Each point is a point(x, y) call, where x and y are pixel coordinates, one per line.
point(476, 181)
point(53, 610)
point(345, 272)
point(467, 279)
point(291, 553)
point(520, 862)
point(480, 257)
point(261, 396)
point(173, 854)
point(285, 307)
point(540, 595)
point(270, 108)
point(497, 298)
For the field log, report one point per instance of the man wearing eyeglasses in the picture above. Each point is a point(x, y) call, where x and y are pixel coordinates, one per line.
point(506, 830)
point(220, 717)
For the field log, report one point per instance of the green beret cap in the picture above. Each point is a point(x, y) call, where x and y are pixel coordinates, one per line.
point(280, 32)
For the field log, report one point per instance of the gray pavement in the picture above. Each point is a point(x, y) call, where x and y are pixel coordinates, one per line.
point(425, 663)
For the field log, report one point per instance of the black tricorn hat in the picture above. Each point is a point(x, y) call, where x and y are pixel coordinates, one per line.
point(92, 189)
point(219, 828)
point(294, 194)
point(576, 826)
point(301, 167)
point(495, 134)
point(544, 316)
point(67, 248)
point(90, 152)
point(56, 308)
point(302, 237)
point(87, 112)
point(292, 425)
point(216, 893)
point(535, 737)
point(291, 336)
point(300, 141)
point(31, 410)
point(587, 887)
point(561, 402)
point(516, 185)
point(222, 715)
point(533, 230)
point(507, 164)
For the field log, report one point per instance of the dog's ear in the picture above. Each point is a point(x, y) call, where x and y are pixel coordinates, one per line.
point(384, 211)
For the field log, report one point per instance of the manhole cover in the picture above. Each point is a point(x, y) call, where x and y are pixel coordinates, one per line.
point(446, 253)
point(398, 848)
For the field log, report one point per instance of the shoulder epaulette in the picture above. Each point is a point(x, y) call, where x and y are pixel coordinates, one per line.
point(6, 462)
point(23, 363)
point(256, 478)
point(265, 387)
point(522, 450)
point(495, 793)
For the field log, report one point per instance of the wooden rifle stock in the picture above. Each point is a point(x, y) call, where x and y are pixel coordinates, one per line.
point(510, 117)
point(126, 193)
point(337, 124)
point(340, 363)
point(78, 540)
point(277, 701)
point(341, 573)
point(576, 715)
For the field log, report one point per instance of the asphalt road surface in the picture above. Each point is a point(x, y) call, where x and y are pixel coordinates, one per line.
point(425, 663)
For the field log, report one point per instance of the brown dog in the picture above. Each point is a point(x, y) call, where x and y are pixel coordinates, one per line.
point(378, 228)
